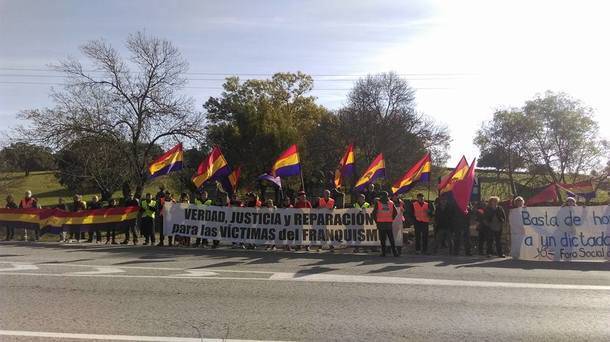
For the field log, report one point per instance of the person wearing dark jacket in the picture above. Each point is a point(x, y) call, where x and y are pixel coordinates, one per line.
point(10, 230)
point(130, 201)
point(445, 212)
point(111, 232)
point(494, 218)
point(95, 204)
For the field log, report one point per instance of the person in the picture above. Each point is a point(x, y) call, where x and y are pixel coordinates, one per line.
point(518, 202)
point(77, 205)
point(252, 201)
point(421, 218)
point(494, 218)
point(302, 203)
point(370, 194)
point(235, 201)
point(94, 204)
point(287, 203)
point(442, 222)
point(384, 213)
point(460, 230)
point(10, 230)
point(361, 203)
point(111, 232)
point(400, 206)
point(130, 201)
point(482, 229)
point(160, 200)
point(148, 207)
point(269, 205)
point(203, 200)
point(570, 202)
point(183, 240)
point(29, 202)
point(169, 198)
point(61, 205)
point(326, 202)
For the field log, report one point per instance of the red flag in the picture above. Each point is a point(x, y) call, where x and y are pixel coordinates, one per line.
point(462, 189)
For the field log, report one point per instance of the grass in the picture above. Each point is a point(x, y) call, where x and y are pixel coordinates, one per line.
point(46, 188)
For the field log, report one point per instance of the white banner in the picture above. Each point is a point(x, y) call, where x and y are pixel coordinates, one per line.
point(352, 227)
point(560, 233)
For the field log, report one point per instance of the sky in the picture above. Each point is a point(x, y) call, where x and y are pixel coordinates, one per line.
point(465, 58)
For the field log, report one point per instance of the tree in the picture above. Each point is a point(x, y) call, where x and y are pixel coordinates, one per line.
point(91, 163)
point(562, 136)
point(500, 142)
point(26, 157)
point(135, 102)
point(254, 121)
point(380, 116)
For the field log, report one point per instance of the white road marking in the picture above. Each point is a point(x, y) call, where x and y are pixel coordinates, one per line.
point(196, 273)
point(341, 278)
point(56, 335)
point(19, 267)
point(100, 270)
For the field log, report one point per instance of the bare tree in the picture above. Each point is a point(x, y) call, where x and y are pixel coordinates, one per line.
point(380, 116)
point(135, 101)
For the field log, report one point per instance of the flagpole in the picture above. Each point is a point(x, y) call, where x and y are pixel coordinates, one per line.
point(429, 179)
point(302, 181)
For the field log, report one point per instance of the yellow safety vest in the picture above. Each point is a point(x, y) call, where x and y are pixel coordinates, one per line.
point(149, 208)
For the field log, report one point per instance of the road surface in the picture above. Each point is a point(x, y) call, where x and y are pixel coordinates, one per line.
point(55, 292)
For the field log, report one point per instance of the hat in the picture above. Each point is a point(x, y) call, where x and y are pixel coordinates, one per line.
point(301, 193)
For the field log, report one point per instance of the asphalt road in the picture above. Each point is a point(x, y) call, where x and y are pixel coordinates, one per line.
point(59, 292)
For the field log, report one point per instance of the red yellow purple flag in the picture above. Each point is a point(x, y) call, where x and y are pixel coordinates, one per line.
point(214, 167)
point(374, 171)
point(287, 164)
point(346, 166)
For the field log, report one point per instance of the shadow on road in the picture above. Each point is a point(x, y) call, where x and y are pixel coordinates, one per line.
point(317, 261)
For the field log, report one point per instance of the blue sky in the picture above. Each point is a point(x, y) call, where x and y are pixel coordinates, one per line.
point(465, 58)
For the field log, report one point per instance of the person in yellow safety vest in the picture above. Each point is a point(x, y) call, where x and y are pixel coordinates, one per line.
point(148, 207)
point(422, 213)
point(205, 201)
point(384, 213)
point(326, 201)
point(361, 203)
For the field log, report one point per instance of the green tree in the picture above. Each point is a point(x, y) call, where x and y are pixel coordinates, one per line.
point(562, 136)
point(26, 157)
point(255, 120)
point(500, 142)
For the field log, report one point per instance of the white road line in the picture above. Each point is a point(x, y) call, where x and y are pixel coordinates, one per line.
point(19, 267)
point(355, 279)
point(101, 270)
point(196, 273)
point(56, 335)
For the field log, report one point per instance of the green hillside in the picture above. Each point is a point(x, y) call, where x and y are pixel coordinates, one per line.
point(46, 188)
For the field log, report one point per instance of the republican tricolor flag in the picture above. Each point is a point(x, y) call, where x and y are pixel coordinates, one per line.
point(420, 172)
point(374, 171)
point(287, 164)
point(346, 166)
point(168, 162)
point(446, 183)
point(214, 167)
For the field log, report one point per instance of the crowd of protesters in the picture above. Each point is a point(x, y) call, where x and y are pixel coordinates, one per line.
point(451, 228)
